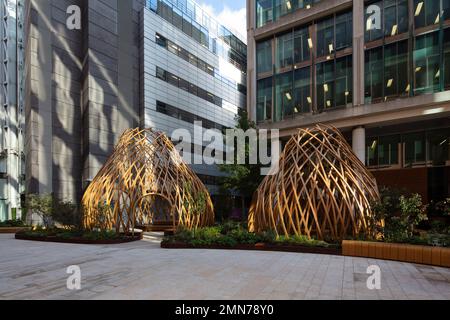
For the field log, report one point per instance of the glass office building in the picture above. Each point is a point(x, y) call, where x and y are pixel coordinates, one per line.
point(11, 114)
point(378, 70)
point(194, 70)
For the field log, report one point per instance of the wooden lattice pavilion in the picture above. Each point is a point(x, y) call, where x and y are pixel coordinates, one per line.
point(145, 181)
point(321, 190)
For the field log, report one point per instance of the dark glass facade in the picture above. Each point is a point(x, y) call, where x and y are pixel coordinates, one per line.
point(271, 10)
point(400, 62)
point(412, 149)
point(305, 70)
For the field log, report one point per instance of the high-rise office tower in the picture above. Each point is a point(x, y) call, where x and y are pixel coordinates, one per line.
point(377, 70)
point(12, 157)
point(158, 64)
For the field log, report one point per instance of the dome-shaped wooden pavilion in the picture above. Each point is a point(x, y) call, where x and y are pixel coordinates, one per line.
point(145, 181)
point(321, 190)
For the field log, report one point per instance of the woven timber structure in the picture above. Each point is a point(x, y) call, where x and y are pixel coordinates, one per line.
point(321, 190)
point(145, 180)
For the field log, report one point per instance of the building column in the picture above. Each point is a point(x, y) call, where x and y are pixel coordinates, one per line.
point(251, 61)
point(359, 143)
point(358, 52)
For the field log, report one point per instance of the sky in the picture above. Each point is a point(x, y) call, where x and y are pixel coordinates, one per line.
point(231, 13)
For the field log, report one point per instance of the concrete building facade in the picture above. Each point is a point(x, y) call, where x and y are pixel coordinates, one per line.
point(12, 155)
point(133, 63)
point(377, 70)
point(82, 90)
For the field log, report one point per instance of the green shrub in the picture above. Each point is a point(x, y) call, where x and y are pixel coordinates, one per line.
point(438, 227)
point(396, 216)
point(12, 224)
point(42, 205)
point(67, 214)
point(101, 235)
point(301, 240)
point(443, 207)
point(226, 241)
point(208, 234)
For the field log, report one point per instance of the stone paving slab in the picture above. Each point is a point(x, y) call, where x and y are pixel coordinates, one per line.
point(142, 270)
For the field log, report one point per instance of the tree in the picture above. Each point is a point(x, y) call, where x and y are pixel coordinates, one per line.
point(242, 178)
point(42, 205)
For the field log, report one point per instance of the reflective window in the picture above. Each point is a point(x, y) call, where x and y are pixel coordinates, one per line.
point(160, 74)
point(325, 37)
point(264, 12)
point(161, 41)
point(283, 7)
point(447, 59)
point(415, 148)
point(344, 82)
point(264, 56)
point(177, 18)
point(426, 12)
point(430, 148)
point(284, 96)
point(264, 100)
point(374, 75)
point(395, 17)
point(427, 63)
point(445, 10)
point(372, 152)
point(396, 69)
point(302, 43)
point(334, 83)
point(344, 30)
point(334, 34)
point(271, 10)
point(198, 25)
point(382, 151)
point(325, 85)
point(187, 86)
point(386, 18)
point(388, 150)
point(302, 90)
point(439, 146)
point(284, 51)
point(374, 21)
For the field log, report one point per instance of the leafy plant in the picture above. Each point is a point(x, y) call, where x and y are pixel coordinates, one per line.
point(12, 224)
point(302, 240)
point(194, 203)
point(231, 233)
point(395, 216)
point(67, 214)
point(42, 205)
point(438, 227)
point(413, 212)
point(443, 207)
point(102, 214)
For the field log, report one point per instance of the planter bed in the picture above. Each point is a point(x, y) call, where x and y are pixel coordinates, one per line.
point(22, 236)
point(257, 247)
point(435, 256)
point(12, 230)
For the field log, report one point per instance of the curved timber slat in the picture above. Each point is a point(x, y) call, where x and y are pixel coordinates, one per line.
point(321, 189)
point(145, 180)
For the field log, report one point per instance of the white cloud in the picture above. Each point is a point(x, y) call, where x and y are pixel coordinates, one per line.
point(234, 20)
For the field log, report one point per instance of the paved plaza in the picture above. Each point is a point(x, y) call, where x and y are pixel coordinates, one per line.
point(142, 270)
